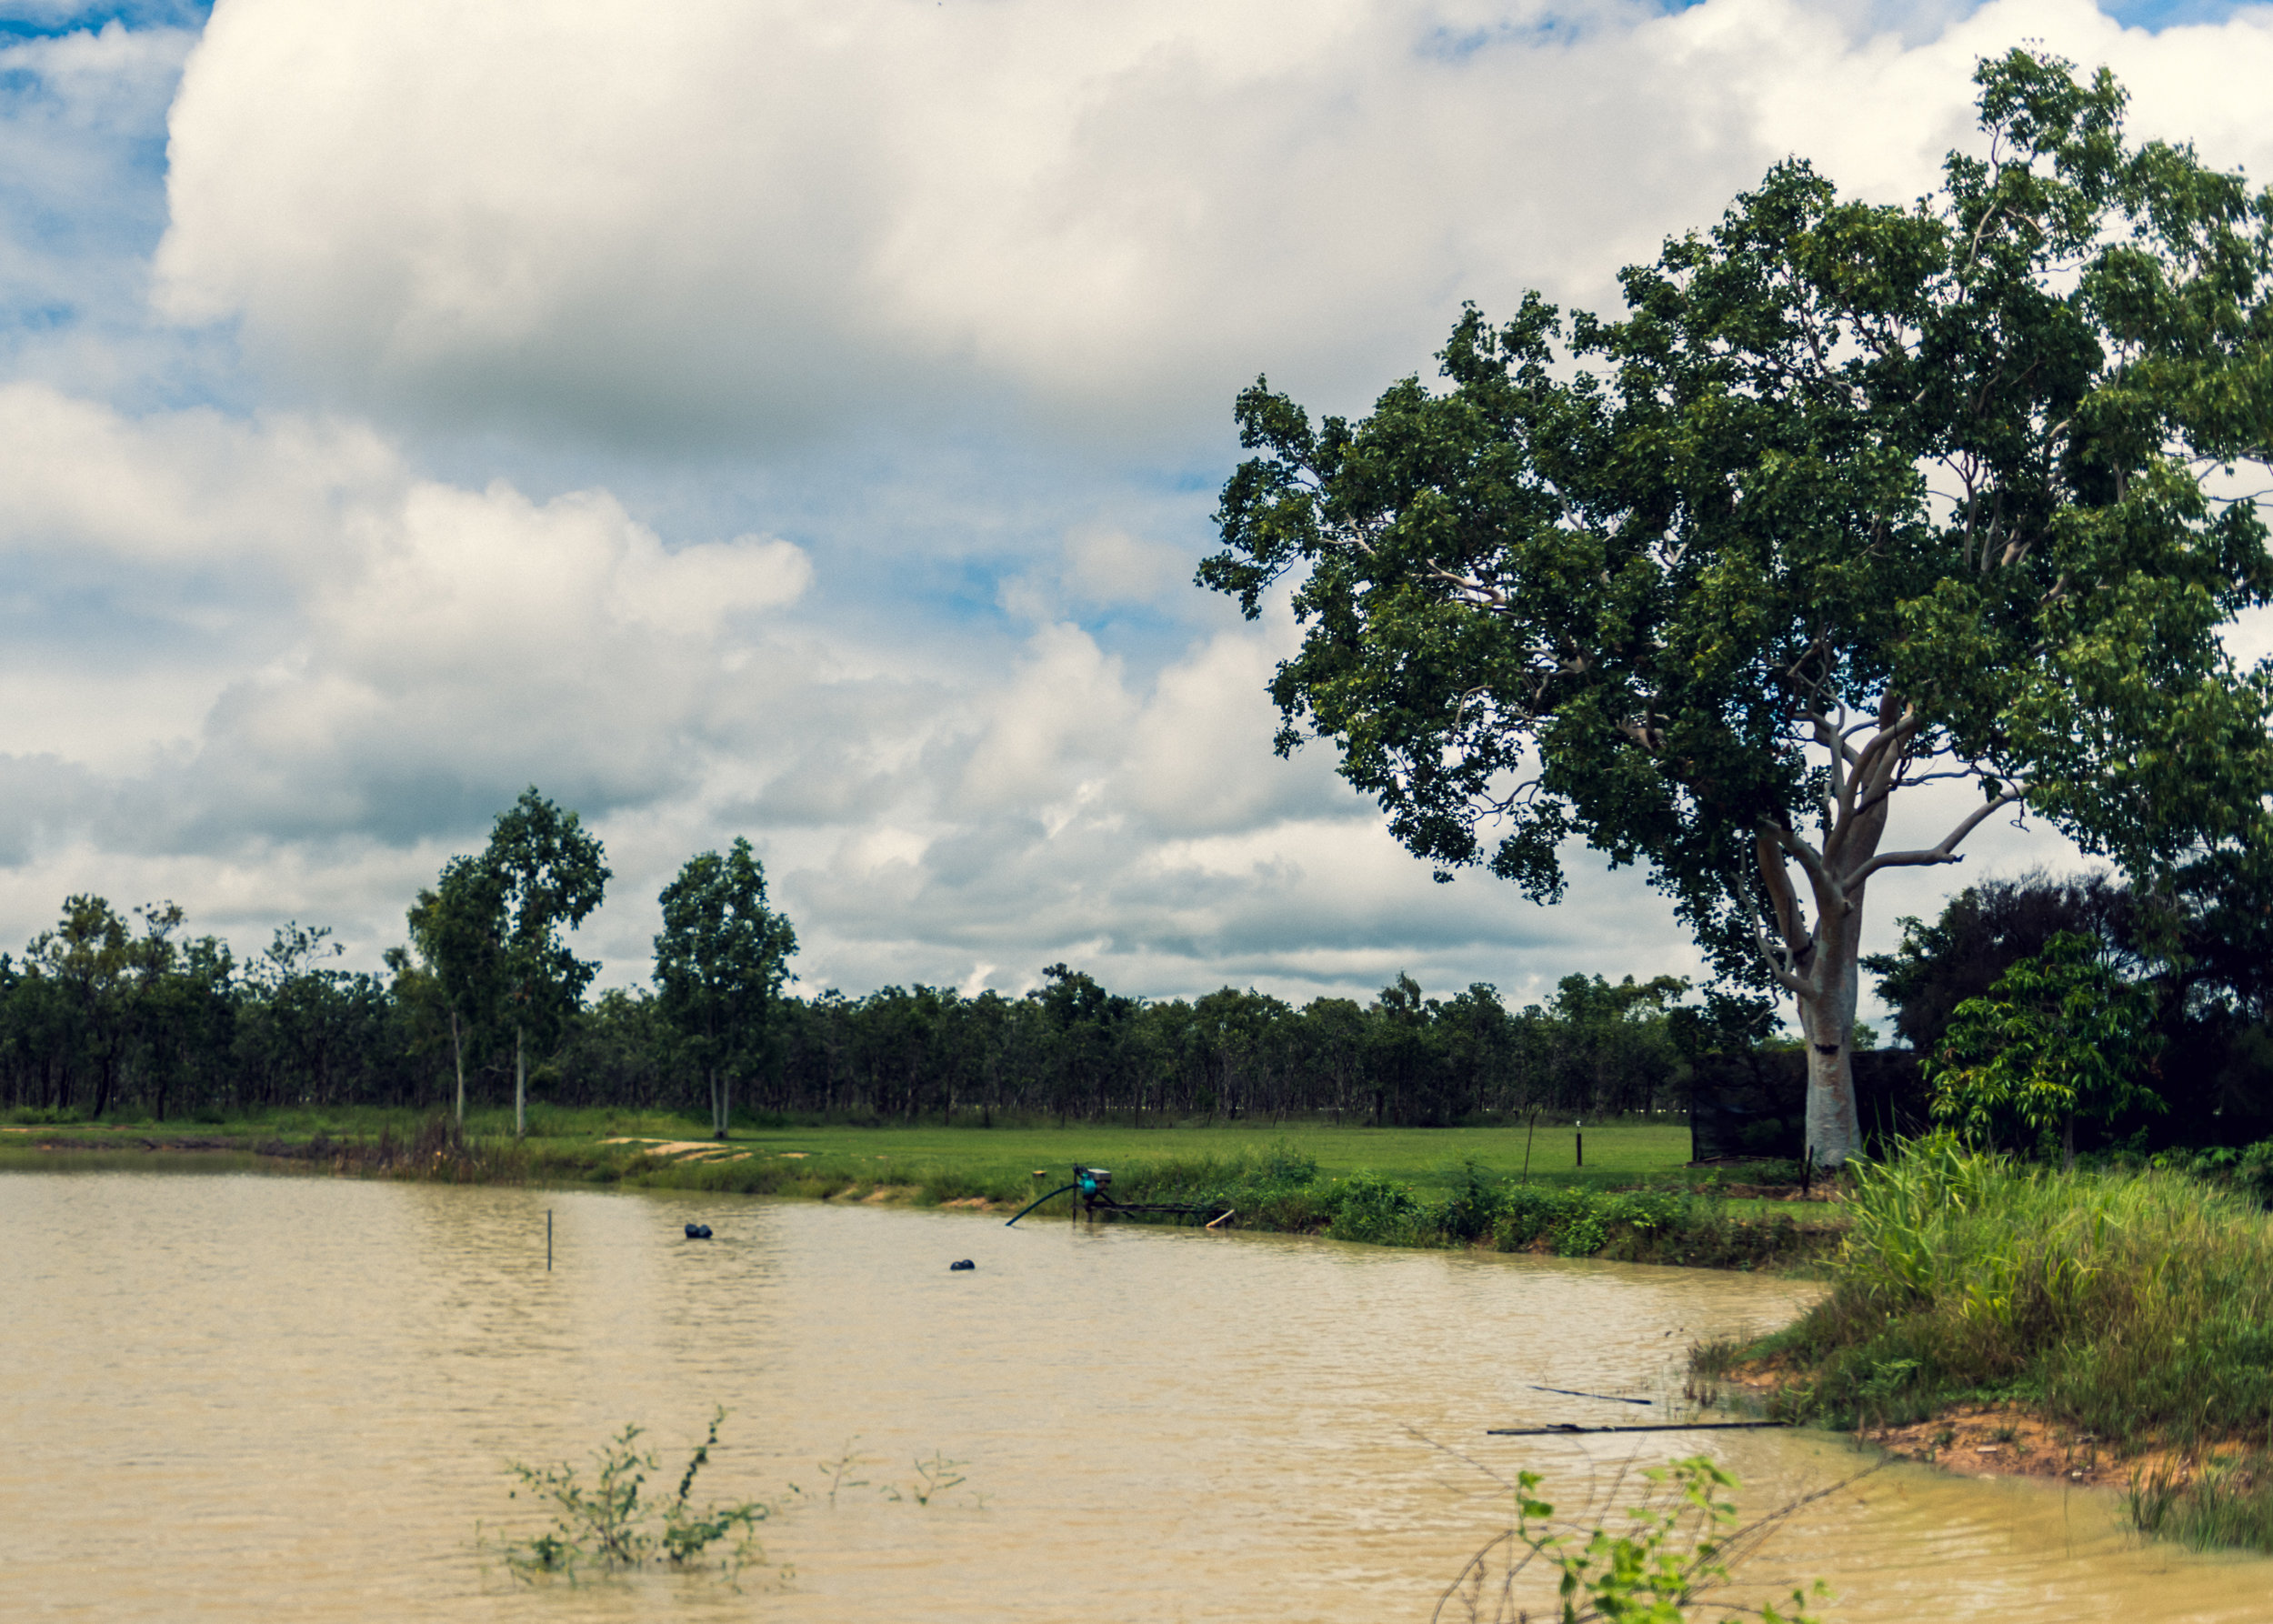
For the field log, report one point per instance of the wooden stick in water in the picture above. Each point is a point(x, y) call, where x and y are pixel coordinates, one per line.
point(1566, 1427)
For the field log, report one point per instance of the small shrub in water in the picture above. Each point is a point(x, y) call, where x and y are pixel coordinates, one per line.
point(601, 1520)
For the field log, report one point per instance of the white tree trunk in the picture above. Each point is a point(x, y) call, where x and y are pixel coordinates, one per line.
point(1818, 961)
point(1826, 1023)
point(520, 1088)
point(457, 1055)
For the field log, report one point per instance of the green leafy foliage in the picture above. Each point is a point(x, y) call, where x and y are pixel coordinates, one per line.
point(1859, 497)
point(1579, 1223)
point(602, 1520)
point(720, 962)
point(2061, 1035)
point(1678, 1547)
point(1369, 1208)
point(1981, 932)
point(548, 877)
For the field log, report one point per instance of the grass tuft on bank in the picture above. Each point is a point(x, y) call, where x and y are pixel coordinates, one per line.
point(2133, 1307)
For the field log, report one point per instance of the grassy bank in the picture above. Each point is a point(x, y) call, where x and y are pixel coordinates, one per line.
point(2130, 1313)
point(1514, 1188)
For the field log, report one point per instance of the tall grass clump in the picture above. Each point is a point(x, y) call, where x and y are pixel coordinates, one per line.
point(2223, 1502)
point(2138, 1305)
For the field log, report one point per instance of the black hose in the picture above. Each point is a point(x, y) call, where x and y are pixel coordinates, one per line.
point(1030, 1206)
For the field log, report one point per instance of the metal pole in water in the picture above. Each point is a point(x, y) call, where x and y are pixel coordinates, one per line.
point(548, 1240)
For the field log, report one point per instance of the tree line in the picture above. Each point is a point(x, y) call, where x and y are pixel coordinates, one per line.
point(112, 1014)
point(2081, 1011)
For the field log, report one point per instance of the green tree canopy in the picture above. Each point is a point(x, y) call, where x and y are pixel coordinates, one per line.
point(548, 876)
point(458, 928)
point(2062, 1035)
point(719, 962)
point(1859, 498)
point(1982, 932)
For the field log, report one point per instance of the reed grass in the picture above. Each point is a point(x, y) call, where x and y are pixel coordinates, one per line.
point(2222, 1503)
point(2135, 1306)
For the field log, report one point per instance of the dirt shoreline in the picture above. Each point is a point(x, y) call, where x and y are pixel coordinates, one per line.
point(2003, 1440)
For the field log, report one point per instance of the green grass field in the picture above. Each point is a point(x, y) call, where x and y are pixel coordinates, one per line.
point(1516, 1188)
point(563, 1144)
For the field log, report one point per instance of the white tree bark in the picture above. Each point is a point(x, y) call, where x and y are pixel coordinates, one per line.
point(520, 1088)
point(1812, 937)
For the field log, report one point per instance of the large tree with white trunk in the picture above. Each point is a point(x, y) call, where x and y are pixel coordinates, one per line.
point(1852, 500)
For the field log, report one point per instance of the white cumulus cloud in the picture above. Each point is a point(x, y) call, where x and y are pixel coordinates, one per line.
point(699, 222)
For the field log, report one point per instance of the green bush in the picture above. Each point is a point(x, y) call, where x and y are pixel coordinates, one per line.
point(1477, 1200)
point(1579, 1223)
point(1369, 1208)
point(1286, 1163)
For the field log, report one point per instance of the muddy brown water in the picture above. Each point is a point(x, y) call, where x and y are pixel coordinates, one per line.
point(291, 1398)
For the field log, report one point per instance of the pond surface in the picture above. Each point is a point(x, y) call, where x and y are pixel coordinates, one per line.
point(292, 1399)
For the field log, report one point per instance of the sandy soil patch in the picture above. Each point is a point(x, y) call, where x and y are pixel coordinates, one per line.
point(684, 1149)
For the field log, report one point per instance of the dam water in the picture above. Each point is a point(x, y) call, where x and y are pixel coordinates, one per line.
point(290, 1399)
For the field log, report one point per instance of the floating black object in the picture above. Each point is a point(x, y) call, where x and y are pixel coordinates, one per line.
point(965, 1263)
point(699, 1231)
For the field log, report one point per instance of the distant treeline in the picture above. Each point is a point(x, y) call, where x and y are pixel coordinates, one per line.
point(111, 1014)
point(129, 1014)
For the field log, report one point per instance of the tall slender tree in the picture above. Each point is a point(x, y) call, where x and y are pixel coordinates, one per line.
point(549, 874)
point(720, 962)
point(458, 928)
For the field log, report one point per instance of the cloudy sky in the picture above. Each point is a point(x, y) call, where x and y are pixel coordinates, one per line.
point(800, 418)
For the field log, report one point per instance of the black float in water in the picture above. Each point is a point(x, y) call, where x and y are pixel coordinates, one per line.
point(965, 1263)
point(699, 1231)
